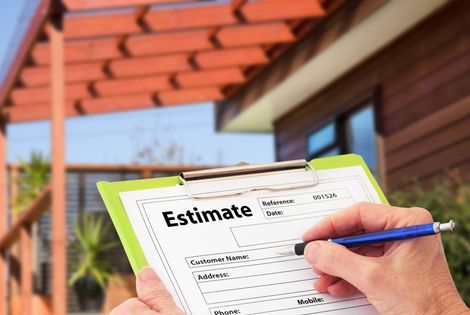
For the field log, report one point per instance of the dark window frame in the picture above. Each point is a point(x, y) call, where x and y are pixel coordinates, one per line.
point(340, 117)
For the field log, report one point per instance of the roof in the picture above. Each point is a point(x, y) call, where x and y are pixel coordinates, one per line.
point(134, 54)
point(339, 44)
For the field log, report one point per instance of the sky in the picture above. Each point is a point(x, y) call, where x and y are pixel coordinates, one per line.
point(174, 135)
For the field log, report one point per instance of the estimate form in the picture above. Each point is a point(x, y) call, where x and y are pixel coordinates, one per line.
point(218, 255)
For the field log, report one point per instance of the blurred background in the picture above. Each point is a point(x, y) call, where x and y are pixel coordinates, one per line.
point(128, 89)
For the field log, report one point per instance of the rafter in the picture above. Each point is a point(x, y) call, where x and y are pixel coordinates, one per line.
point(190, 17)
point(210, 77)
point(171, 42)
point(233, 36)
point(81, 5)
point(132, 67)
point(40, 76)
point(188, 96)
point(231, 57)
point(131, 86)
point(21, 96)
point(270, 10)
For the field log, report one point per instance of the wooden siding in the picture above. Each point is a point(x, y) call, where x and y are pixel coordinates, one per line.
point(424, 112)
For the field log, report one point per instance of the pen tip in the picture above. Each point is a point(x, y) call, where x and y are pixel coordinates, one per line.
point(285, 251)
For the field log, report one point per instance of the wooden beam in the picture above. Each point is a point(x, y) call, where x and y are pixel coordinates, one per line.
point(210, 77)
point(118, 103)
point(31, 112)
point(188, 96)
point(26, 284)
point(79, 51)
point(133, 86)
point(233, 36)
point(149, 65)
point(81, 5)
point(170, 42)
point(231, 57)
point(3, 212)
point(41, 76)
point(38, 207)
point(272, 10)
point(59, 237)
point(190, 17)
point(23, 50)
point(87, 26)
point(42, 95)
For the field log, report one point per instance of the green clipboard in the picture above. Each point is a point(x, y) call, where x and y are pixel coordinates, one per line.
point(110, 193)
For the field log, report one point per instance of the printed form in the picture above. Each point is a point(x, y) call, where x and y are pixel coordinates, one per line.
point(218, 255)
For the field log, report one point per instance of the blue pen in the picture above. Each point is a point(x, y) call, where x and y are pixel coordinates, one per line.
point(379, 237)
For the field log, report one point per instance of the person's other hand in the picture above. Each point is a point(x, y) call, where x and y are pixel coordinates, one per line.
point(153, 298)
point(402, 277)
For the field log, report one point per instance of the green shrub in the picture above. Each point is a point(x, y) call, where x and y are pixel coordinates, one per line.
point(91, 244)
point(31, 180)
point(446, 199)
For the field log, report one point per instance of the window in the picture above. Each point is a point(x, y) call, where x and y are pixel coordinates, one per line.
point(350, 132)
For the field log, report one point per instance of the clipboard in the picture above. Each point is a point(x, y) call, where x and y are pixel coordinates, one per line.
point(110, 192)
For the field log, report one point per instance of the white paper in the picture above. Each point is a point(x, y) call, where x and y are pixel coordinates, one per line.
point(228, 265)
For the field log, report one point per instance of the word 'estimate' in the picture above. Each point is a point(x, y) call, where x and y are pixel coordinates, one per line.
point(195, 216)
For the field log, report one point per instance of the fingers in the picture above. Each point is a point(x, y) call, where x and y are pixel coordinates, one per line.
point(325, 281)
point(342, 289)
point(132, 306)
point(336, 260)
point(365, 217)
point(152, 291)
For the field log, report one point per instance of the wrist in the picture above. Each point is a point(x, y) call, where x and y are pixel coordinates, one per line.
point(448, 304)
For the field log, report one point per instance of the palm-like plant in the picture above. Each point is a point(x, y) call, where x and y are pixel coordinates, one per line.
point(34, 176)
point(91, 244)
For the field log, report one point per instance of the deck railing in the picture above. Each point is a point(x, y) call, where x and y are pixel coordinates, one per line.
point(17, 243)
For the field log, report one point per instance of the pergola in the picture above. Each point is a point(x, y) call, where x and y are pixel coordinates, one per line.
point(83, 57)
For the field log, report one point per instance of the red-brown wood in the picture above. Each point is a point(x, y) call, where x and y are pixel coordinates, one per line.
point(190, 17)
point(131, 86)
point(86, 50)
point(170, 42)
point(41, 76)
point(117, 103)
point(189, 96)
point(210, 77)
point(136, 42)
point(232, 36)
point(58, 235)
point(26, 284)
point(30, 215)
point(86, 26)
point(231, 57)
point(80, 5)
point(42, 95)
point(3, 211)
point(269, 10)
point(31, 112)
point(133, 67)
point(30, 36)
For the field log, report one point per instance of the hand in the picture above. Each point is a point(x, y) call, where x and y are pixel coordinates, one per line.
point(402, 277)
point(153, 298)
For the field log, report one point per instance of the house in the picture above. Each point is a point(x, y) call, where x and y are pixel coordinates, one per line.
point(385, 79)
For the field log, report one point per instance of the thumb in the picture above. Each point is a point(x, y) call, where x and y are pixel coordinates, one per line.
point(152, 291)
point(338, 261)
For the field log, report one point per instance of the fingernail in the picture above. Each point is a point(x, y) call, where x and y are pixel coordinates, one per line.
point(312, 250)
point(147, 274)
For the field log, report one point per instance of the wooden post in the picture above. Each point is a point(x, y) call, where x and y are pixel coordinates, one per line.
point(15, 248)
point(147, 173)
point(3, 212)
point(59, 243)
point(26, 271)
